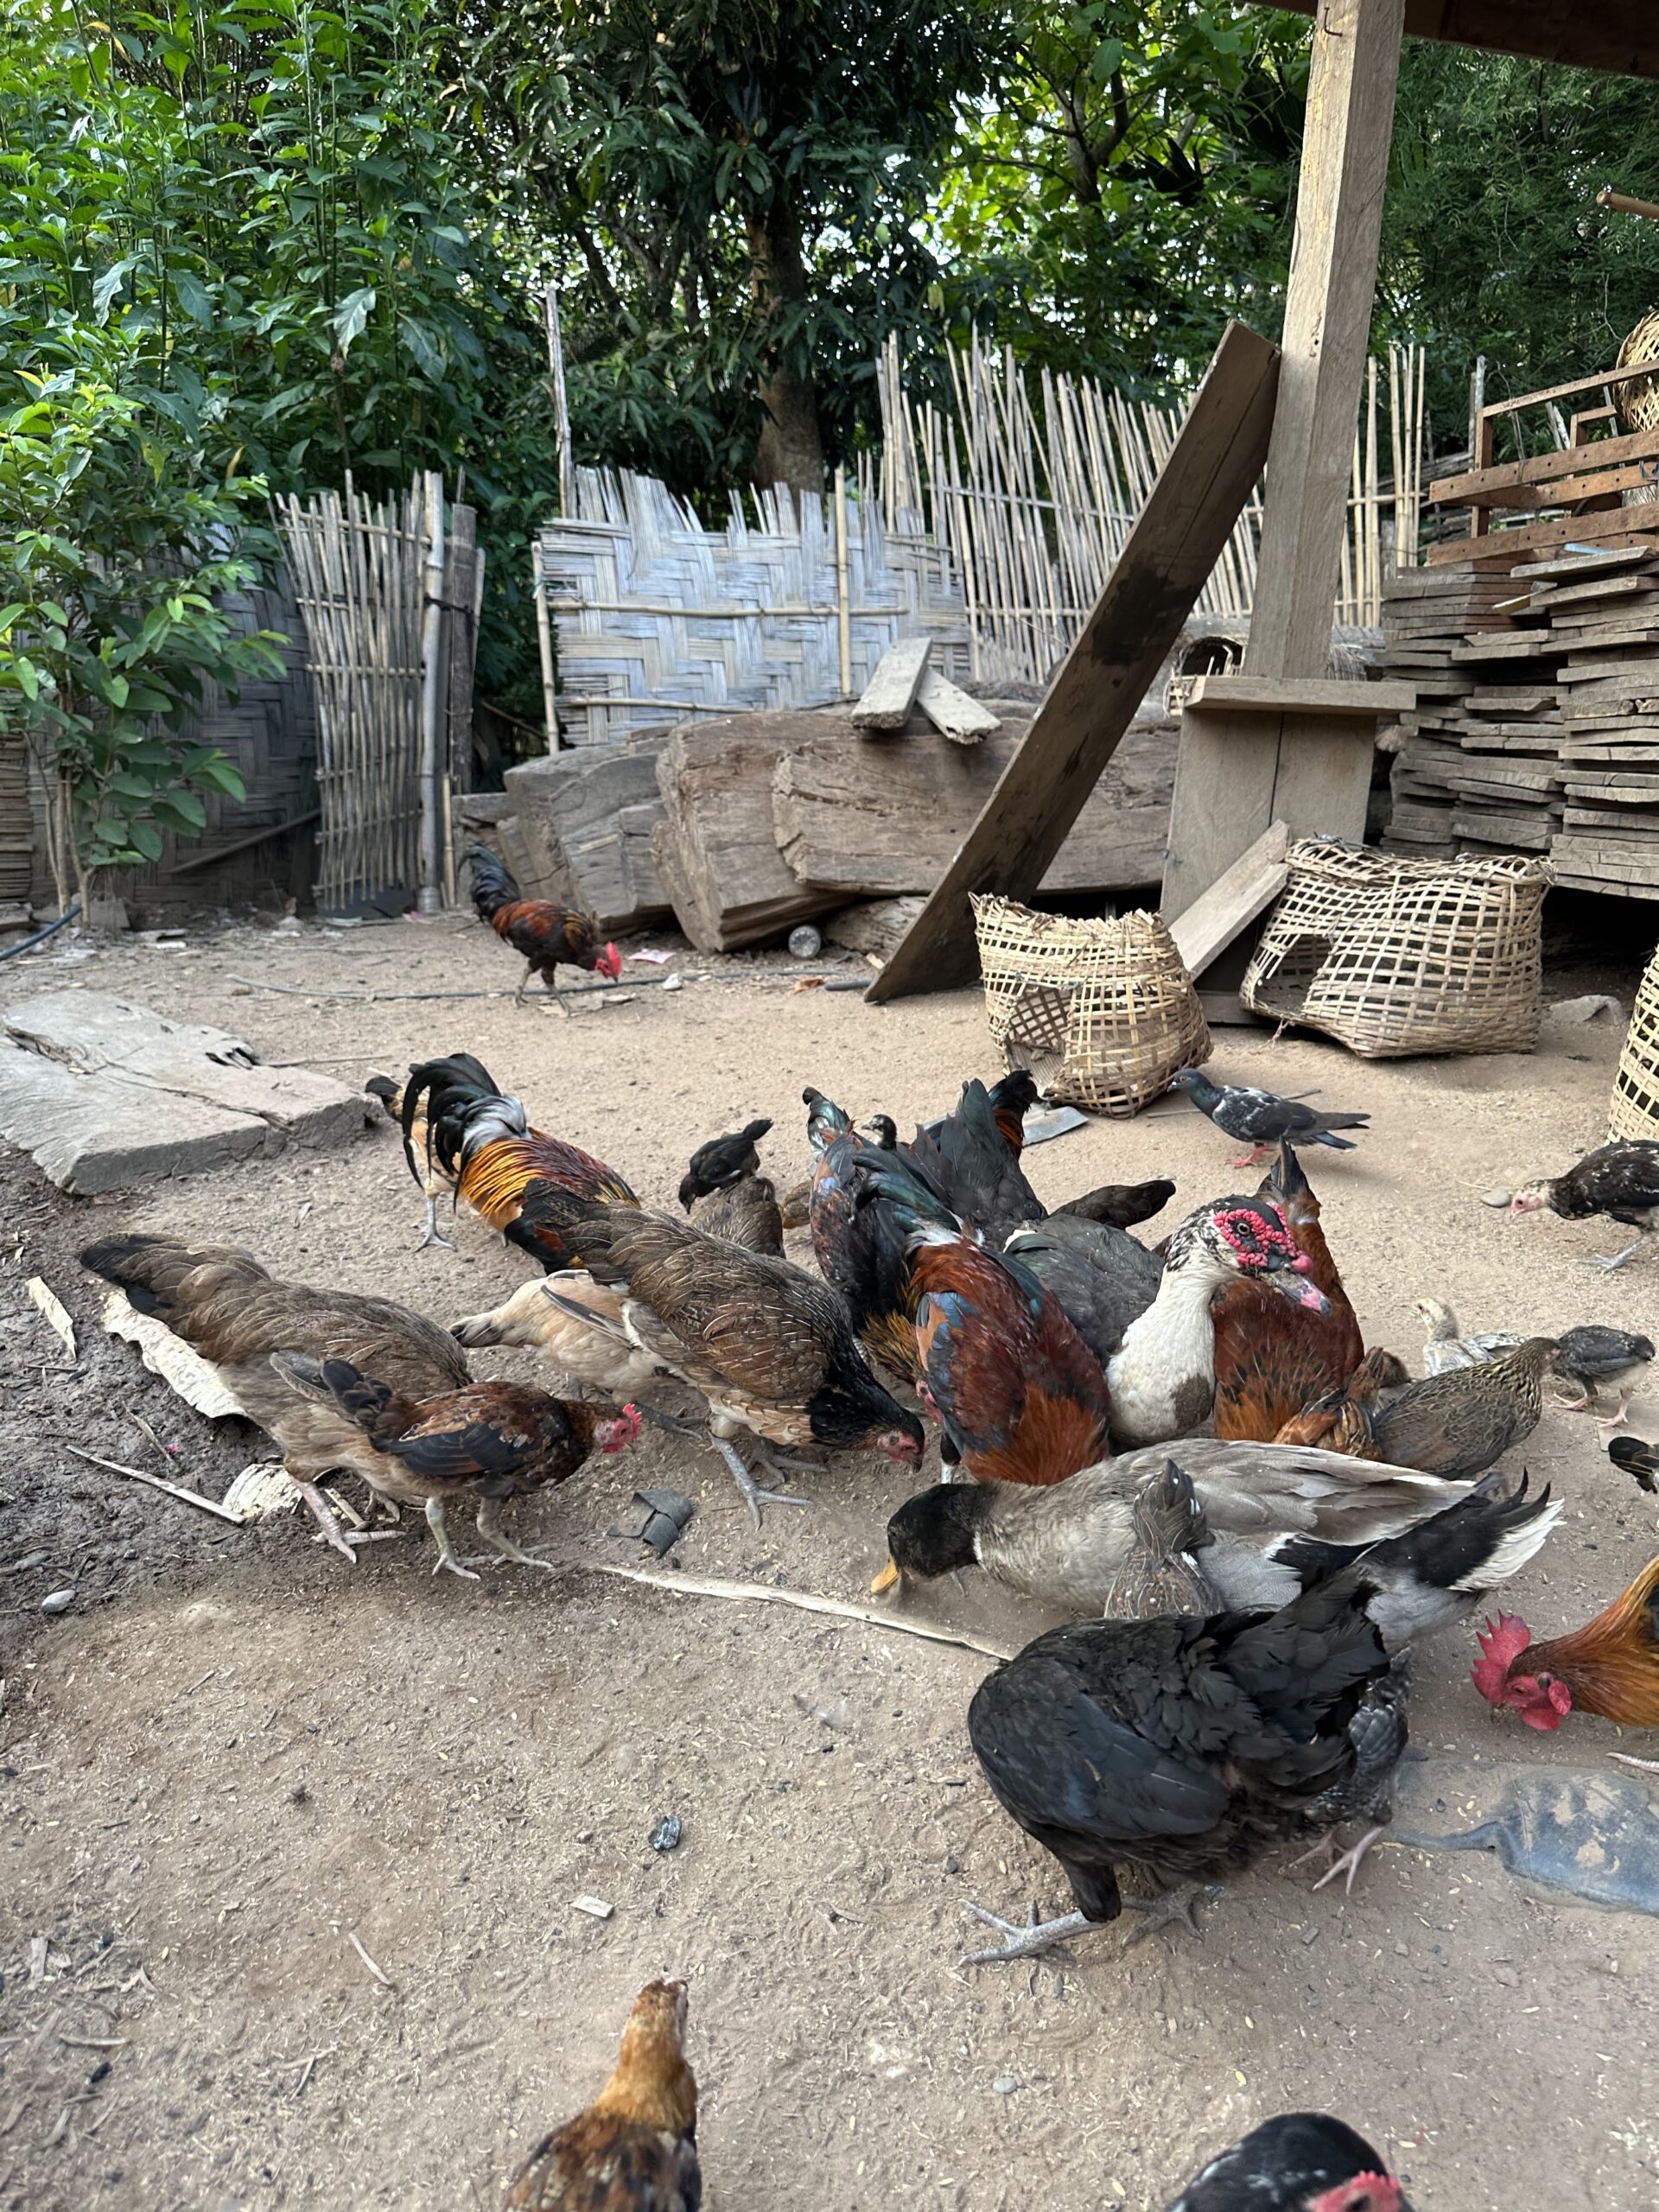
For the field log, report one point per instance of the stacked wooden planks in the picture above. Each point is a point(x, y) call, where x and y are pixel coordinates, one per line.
point(1546, 735)
point(1450, 753)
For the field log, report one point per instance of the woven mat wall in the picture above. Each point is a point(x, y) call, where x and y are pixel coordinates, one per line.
point(656, 617)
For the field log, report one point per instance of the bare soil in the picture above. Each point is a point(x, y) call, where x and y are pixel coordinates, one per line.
point(232, 1755)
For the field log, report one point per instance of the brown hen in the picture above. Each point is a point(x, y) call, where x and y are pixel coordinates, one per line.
point(634, 2148)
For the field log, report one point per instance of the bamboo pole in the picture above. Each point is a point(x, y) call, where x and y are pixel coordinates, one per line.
point(433, 688)
point(844, 598)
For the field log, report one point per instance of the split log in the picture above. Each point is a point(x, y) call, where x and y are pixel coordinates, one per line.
point(882, 821)
point(878, 926)
point(884, 702)
point(715, 847)
point(580, 831)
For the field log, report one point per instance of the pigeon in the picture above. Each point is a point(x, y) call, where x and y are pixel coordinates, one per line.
point(1261, 1118)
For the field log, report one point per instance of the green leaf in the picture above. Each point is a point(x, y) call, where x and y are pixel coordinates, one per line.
point(193, 296)
point(221, 775)
point(181, 811)
point(351, 316)
point(147, 839)
point(9, 615)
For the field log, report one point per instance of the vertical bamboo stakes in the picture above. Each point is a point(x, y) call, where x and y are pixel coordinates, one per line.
point(843, 599)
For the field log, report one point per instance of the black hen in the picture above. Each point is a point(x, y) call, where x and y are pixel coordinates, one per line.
point(1297, 2162)
point(1187, 1748)
point(967, 1161)
point(1619, 1179)
point(1100, 1276)
point(1122, 1205)
point(721, 1161)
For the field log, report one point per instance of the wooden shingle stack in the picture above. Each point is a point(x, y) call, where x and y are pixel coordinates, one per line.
point(1603, 613)
point(1435, 622)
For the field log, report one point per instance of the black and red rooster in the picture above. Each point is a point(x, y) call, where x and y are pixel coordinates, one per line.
point(549, 936)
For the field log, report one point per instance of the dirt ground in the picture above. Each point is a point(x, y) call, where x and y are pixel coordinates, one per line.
point(232, 1759)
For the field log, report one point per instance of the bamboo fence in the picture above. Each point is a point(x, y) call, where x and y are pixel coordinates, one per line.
point(1033, 486)
point(359, 566)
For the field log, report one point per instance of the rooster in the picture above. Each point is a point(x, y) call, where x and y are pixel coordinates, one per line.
point(1297, 2162)
point(1020, 1395)
point(337, 1380)
point(1188, 1747)
point(634, 2148)
point(521, 1182)
point(859, 1248)
point(1272, 1359)
point(548, 937)
point(423, 1165)
point(1609, 1666)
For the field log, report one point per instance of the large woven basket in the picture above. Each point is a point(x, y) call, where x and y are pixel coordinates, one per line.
point(1392, 957)
point(1103, 1012)
point(1638, 401)
point(1633, 1110)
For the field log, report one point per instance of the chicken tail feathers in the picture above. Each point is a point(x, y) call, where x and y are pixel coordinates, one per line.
point(492, 887)
point(916, 1208)
point(464, 1108)
point(825, 1120)
point(367, 1404)
point(154, 1271)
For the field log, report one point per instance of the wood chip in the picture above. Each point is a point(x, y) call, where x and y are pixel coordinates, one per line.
point(47, 1303)
point(385, 1980)
point(595, 1908)
point(186, 1373)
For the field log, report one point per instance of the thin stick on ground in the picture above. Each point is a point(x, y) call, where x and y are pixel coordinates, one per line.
point(805, 1601)
point(173, 1489)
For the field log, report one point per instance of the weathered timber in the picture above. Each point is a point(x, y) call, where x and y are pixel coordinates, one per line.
point(716, 848)
point(1176, 541)
point(876, 926)
point(950, 710)
point(885, 702)
point(878, 821)
point(1234, 900)
point(589, 813)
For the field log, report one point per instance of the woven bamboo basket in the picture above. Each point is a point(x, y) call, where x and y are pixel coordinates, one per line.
point(1633, 1110)
point(1638, 400)
point(1103, 1012)
point(1393, 956)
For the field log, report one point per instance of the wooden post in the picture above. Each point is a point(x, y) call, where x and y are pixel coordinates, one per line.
point(435, 699)
point(843, 590)
point(1176, 541)
point(1234, 778)
point(561, 406)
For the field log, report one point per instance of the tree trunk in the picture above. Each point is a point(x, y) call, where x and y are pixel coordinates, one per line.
point(789, 450)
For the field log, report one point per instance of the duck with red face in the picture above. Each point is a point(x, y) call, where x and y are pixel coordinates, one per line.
point(1609, 1667)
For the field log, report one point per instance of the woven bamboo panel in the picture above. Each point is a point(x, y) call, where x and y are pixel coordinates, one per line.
point(1633, 1110)
point(1103, 1012)
point(1393, 956)
point(658, 618)
point(1638, 401)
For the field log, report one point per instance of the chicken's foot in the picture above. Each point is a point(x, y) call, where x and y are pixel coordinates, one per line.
point(1025, 1942)
point(1620, 1418)
point(496, 1537)
point(326, 1519)
point(1608, 1261)
point(1347, 1863)
point(1171, 1908)
point(519, 996)
point(446, 1549)
point(434, 1235)
point(658, 1420)
point(756, 1497)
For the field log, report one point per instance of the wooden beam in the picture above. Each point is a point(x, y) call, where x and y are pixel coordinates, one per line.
point(1567, 530)
point(1234, 900)
point(1177, 539)
point(1324, 695)
point(1613, 35)
point(1238, 773)
point(1544, 468)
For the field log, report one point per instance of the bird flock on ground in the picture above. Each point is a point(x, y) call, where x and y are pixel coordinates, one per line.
point(1254, 1517)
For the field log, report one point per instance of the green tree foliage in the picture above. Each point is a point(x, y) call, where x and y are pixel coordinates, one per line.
point(262, 201)
point(1491, 240)
point(729, 193)
point(1134, 184)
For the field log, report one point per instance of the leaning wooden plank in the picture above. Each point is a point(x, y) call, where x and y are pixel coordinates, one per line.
point(1177, 539)
point(950, 710)
point(878, 821)
point(1233, 900)
point(886, 699)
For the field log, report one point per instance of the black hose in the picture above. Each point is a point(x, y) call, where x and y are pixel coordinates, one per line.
point(40, 935)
